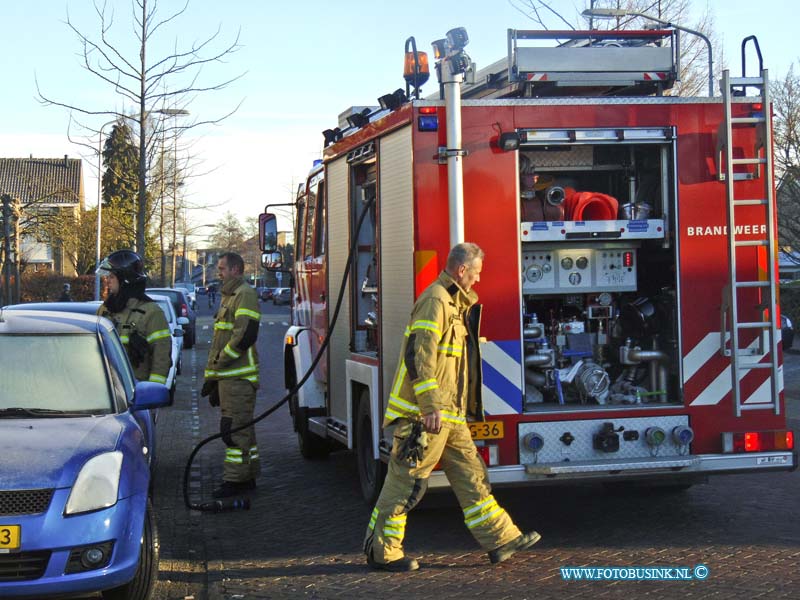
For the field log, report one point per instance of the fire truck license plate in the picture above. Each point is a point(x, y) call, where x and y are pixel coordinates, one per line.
point(488, 430)
point(9, 537)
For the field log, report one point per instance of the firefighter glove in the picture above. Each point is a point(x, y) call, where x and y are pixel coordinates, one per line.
point(412, 448)
point(225, 424)
point(137, 348)
point(211, 389)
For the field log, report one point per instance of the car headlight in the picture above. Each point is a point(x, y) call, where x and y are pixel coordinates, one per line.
point(97, 484)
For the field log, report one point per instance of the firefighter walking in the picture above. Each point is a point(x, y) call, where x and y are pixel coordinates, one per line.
point(231, 375)
point(140, 322)
point(431, 390)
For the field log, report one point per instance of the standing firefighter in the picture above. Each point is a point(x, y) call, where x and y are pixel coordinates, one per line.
point(431, 390)
point(231, 377)
point(140, 322)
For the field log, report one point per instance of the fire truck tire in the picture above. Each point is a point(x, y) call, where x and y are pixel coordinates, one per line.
point(311, 445)
point(371, 472)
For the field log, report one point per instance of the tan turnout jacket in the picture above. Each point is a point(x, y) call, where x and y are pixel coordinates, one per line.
point(433, 371)
point(227, 359)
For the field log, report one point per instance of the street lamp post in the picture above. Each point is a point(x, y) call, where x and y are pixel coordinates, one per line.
point(188, 232)
point(610, 13)
point(174, 112)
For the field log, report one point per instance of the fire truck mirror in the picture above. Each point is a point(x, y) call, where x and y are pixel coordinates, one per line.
point(272, 260)
point(268, 233)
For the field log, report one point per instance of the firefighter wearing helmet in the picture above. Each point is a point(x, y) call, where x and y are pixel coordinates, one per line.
point(431, 396)
point(140, 322)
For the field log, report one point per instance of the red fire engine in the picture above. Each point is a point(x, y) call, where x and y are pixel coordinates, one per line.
point(628, 298)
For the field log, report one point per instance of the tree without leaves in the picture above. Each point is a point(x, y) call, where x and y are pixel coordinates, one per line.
point(229, 235)
point(146, 86)
point(786, 120)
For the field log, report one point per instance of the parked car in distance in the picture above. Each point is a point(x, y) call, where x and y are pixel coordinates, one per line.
point(282, 296)
point(183, 308)
point(176, 327)
point(202, 290)
point(191, 291)
point(77, 445)
point(265, 293)
point(787, 332)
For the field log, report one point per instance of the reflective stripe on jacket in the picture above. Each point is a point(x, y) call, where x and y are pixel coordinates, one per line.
point(148, 320)
point(227, 358)
point(432, 371)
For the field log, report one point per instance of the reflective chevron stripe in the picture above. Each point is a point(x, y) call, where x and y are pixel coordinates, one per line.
point(158, 335)
point(231, 352)
point(427, 325)
point(482, 511)
point(424, 386)
point(247, 313)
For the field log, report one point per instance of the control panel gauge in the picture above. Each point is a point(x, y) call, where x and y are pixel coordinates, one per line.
point(533, 273)
point(566, 263)
point(604, 299)
point(575, 278)
point(582, 262)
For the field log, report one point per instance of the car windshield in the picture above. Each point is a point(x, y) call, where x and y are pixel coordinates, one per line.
point(62, 373)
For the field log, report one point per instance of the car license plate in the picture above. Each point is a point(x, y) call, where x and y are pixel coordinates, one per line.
point(487, 430)
point(9, 537)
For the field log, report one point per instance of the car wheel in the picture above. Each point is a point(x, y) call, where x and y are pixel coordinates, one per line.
point(371, 472)
point(141, 586)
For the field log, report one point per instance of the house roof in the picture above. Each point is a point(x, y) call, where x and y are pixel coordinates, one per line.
point(42, 180)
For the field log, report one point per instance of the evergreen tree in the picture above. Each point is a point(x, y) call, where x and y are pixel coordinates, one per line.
point(120, 186)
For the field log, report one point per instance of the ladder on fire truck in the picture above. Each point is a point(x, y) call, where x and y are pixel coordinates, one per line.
point(758, 166)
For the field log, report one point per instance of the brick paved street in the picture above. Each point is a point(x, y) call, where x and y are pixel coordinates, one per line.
point(302, 537)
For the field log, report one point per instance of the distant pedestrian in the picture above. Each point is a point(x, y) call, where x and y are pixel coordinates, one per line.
point(212, 295)
point(231, 376)
point(65, 295)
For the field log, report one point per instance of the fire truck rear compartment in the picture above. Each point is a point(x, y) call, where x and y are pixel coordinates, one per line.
point(599, 292)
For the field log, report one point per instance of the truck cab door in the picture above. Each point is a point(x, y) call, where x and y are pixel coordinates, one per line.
point(314, 291)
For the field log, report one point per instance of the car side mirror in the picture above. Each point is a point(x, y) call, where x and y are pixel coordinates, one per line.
point(149, 394)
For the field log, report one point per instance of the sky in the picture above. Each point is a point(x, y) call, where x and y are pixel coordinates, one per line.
point(301, 63)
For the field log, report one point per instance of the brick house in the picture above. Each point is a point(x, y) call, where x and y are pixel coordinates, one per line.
point(44, 187)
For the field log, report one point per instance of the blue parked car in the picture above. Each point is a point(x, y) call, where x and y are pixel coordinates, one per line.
point(76, 451)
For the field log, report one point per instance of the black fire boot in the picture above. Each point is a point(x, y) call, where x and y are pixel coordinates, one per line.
point(401, 565)
point(506, 551)
point(233, 488)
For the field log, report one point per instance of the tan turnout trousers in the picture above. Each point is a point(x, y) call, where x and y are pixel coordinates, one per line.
point(405, 485)
point(238, 400)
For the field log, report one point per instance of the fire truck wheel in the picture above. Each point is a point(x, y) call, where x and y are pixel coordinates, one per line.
point(371, 472)
point(311, 445)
